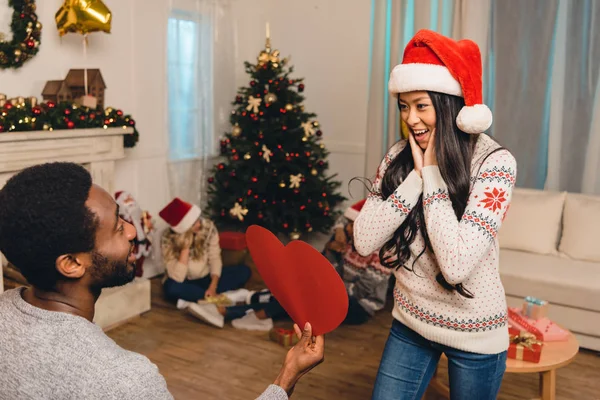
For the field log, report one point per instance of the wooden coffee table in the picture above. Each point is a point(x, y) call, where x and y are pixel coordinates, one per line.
point(554, 355)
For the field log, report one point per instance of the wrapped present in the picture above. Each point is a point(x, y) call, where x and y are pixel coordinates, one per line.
point(535, 308)
point(285, 337)
point(232, 240)
point(550, 331)
point(518, 321)
point(544, 329)
point(218, 300)
point(524, 346)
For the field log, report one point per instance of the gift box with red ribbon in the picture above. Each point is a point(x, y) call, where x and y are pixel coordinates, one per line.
point(284, 337)
point(524, 346)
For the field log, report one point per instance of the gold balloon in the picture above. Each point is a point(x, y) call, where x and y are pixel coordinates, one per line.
point(83, 16)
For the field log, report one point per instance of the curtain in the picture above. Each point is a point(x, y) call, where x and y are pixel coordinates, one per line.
point(574, 128)
point(393, 23)
point(200, 86)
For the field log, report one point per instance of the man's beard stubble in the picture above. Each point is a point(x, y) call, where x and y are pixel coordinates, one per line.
point(110, 273)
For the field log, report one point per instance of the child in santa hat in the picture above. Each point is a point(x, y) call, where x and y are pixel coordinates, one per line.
point(365, 279)
point(437, 202)
point(194, 269)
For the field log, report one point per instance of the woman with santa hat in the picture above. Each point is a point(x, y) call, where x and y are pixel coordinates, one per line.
point(434, 211)
point(192, 255)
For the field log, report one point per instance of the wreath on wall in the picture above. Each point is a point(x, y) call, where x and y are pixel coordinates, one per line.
point(27, 33)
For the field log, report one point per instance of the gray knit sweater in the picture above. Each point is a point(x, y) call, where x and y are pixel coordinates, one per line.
point(55, 355)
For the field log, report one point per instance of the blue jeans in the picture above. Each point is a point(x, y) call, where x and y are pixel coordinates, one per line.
point(409, 362)
point(232, 278)
point(262, 300)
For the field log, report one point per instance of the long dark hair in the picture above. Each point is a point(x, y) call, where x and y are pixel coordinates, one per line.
point(454, 151)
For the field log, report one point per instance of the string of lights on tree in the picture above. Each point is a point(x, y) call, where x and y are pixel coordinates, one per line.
point(274, 171)
point(20, 115)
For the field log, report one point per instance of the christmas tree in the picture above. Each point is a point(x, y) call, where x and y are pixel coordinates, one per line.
point(274, 172)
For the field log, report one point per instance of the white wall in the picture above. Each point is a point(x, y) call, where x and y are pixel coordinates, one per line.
point(132, 63)
point(328, 42)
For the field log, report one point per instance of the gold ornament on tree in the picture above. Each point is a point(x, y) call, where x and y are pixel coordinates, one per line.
point(267, 56)
point(295, 181)
point(266, 153)
point(238, 211)
point(253, 104)
point(308, 127)
point(289, 107)
point(295, 235)
point(236, 131)
point(270, 98)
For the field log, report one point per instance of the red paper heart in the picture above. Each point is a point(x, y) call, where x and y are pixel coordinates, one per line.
point(301, 279)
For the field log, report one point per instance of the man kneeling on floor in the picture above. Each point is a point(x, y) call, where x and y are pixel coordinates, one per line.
point(66, 237)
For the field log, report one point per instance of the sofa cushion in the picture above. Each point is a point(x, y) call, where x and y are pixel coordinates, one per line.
point(581, 227)
point(559, 280)
point(533, 221)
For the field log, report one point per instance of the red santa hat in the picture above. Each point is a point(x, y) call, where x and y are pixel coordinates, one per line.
point(180, 215)
point(352, 212)
point(436, 63)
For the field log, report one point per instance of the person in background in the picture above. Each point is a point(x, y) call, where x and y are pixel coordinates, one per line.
point(191, 252)
point(366, 280)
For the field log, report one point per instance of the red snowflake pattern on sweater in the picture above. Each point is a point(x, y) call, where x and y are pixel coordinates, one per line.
point(494, 199)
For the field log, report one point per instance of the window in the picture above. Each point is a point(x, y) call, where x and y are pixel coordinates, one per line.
point(190, 85)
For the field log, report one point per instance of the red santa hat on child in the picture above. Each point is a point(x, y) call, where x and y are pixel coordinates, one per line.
point(439, 64)
point(180, 215)
point(352, 212)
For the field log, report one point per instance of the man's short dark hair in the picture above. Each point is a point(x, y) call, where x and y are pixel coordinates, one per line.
point(43, 216)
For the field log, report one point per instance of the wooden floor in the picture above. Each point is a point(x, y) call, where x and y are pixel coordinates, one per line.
point(201, 362)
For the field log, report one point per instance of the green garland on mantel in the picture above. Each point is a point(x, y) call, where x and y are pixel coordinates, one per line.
point(23, 116)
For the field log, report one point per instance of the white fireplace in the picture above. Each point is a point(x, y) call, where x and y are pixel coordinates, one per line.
point(97, 150)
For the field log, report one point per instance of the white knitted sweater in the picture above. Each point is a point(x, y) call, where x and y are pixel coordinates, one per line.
point(464, 251)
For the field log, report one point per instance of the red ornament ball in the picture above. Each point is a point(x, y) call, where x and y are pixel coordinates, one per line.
point(260, 216)
point(235, 157)
point(8, 106)
point(36, 110)
point(50, 104)
point(82, 117)
point(30, 44)
point(254, 179)
point(70, 124)
point(221, 166)
point(252, 83)
point(92, 116)
point(119, 113)
point(67, 112)
point(211, 180)
point(285, 225)
point(319, 133)
point(284, 128)
point(301, 87)
point(232, 174)
point(238, 99)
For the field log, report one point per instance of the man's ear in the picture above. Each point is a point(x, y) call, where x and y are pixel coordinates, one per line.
point(73, 265)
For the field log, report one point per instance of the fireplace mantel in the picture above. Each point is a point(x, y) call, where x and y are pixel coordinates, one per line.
point(97, 150)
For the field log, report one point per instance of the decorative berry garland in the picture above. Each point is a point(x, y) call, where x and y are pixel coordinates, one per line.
point(27, 33)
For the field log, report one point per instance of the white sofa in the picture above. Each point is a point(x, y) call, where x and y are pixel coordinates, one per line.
point(550, 249)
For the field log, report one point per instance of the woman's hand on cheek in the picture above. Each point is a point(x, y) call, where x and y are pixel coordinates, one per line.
point(417, 153)
point(430, 157)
